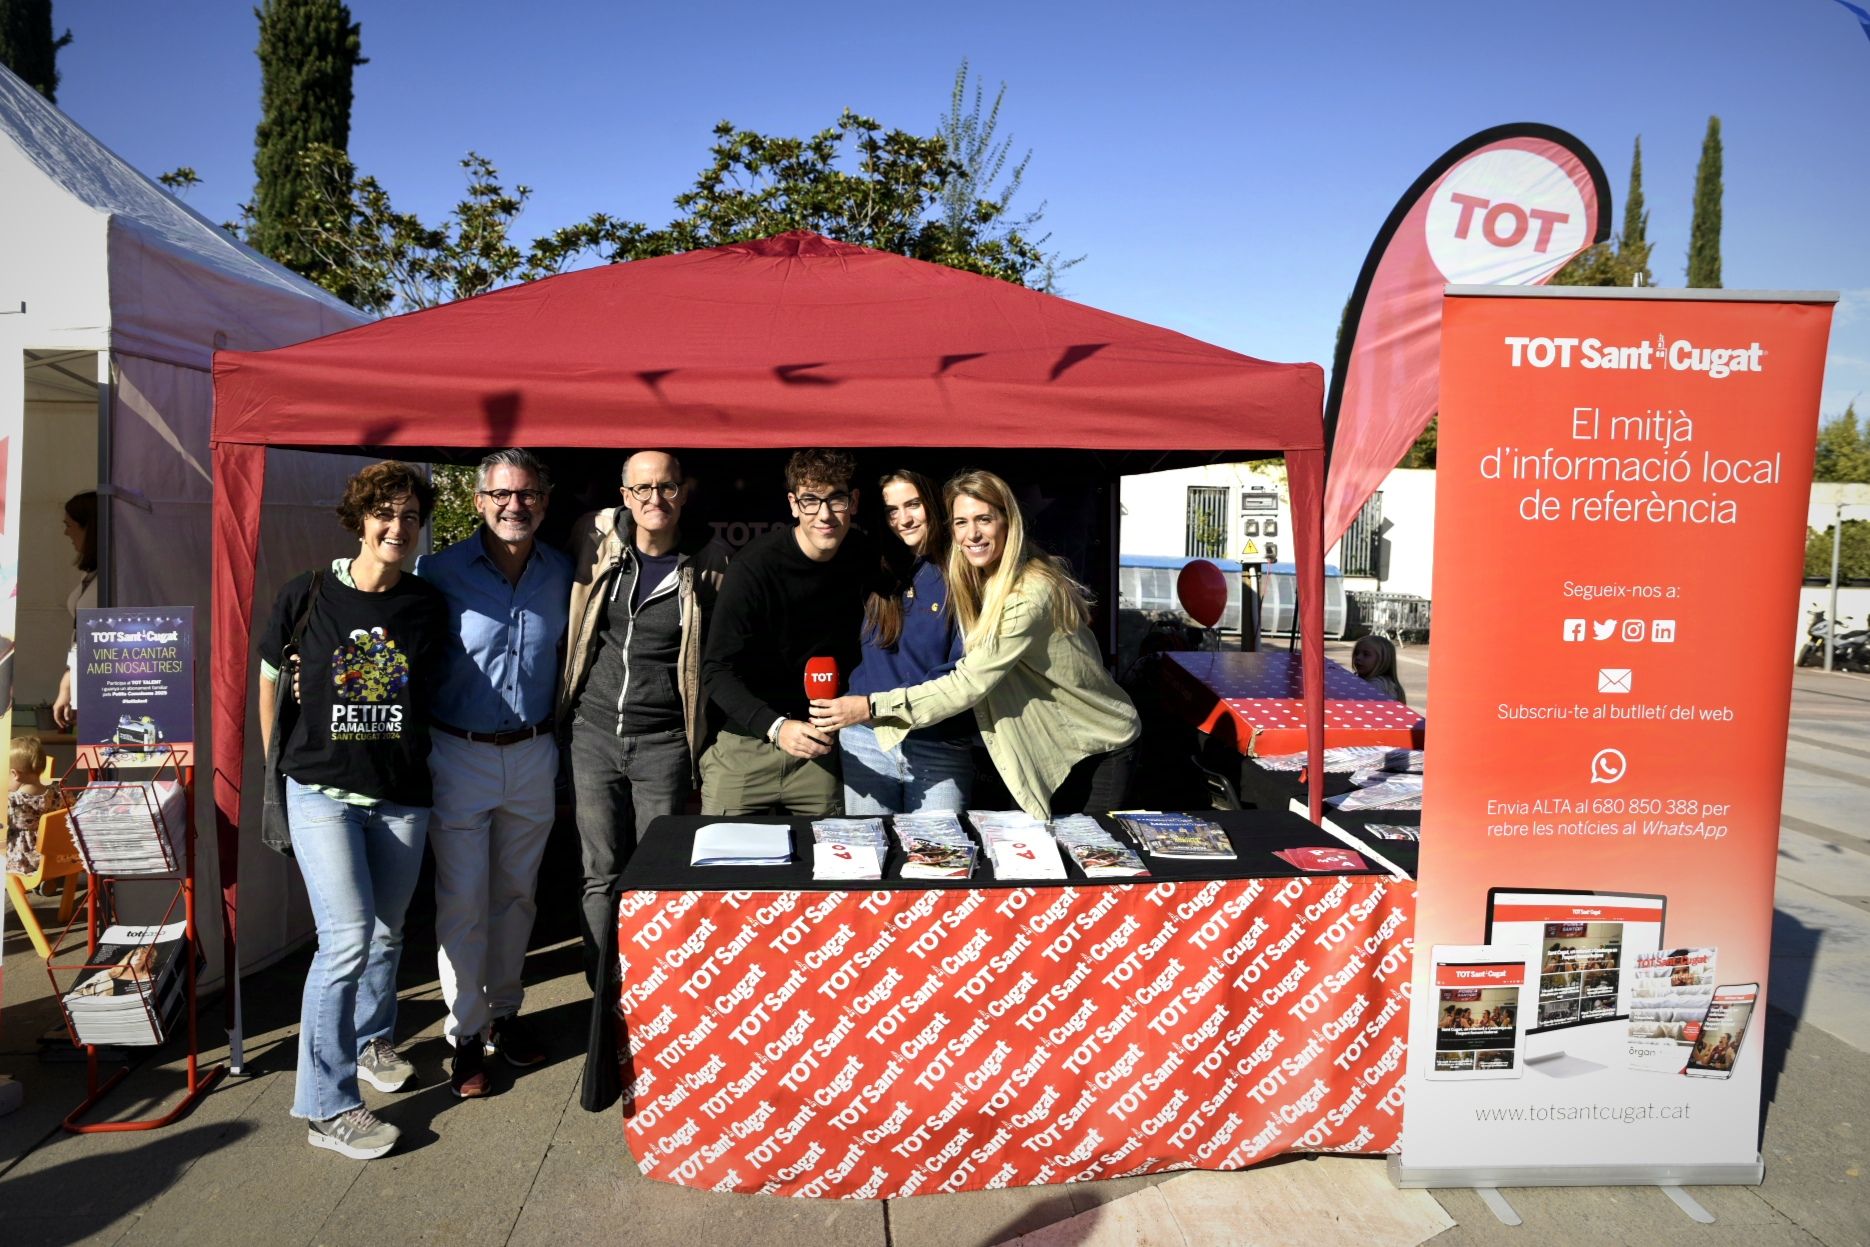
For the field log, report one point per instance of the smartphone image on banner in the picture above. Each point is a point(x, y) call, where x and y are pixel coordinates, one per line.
point(1723, 1027)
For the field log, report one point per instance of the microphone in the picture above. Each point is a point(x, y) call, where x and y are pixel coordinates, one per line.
point(821, 678)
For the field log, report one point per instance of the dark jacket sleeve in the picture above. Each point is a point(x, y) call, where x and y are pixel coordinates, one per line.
point(737, 621)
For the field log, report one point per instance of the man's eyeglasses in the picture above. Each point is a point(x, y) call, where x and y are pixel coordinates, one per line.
point(383, 515)
point(525, 497)
point(809, 504)
point(667, 491)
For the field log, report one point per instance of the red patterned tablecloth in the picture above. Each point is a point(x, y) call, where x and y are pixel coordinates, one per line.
point(1254, 698)
point(873, 1045)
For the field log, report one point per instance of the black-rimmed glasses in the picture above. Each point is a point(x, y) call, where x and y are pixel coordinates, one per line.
point(809, 504)
point(525, 497)
point(666, 490)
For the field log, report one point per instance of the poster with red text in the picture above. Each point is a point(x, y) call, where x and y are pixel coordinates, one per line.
point(1622, 480)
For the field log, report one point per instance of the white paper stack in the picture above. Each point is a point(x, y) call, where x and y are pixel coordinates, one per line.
point(121, 828)
point(1018, 845)
point(132, 998)
point(848, 848)
point(742, 844)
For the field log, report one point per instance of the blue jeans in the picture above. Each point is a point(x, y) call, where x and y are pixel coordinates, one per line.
point(360, 865)
point(917, 775)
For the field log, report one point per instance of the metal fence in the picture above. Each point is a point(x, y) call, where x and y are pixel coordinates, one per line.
point(1402, 617)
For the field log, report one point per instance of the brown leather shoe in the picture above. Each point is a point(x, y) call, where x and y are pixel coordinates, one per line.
point(468, 1078)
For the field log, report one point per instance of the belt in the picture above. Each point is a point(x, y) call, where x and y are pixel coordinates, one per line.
point(514, 737)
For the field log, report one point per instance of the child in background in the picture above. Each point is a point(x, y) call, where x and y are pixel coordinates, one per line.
point(1374, 658)
point(25, 802)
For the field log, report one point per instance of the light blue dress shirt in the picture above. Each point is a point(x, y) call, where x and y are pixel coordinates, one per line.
point(500, 669)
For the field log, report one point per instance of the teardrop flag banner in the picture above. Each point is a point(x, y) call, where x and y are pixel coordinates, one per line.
point(1509, 206)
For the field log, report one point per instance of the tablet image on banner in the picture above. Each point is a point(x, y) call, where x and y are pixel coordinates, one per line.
point(1481, 1001)
point(1585, 941)
point(1669, 996)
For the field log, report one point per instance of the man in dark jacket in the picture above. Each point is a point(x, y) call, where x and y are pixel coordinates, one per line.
point(794, 594)
point(641, 599)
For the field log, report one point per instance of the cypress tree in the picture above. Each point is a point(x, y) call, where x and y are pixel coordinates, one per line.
point(1704, 234)
point(1633, 242)
point(308, 49)
point(27, 46)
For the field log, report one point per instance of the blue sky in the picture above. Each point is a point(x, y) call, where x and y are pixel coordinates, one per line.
point(1223, 167)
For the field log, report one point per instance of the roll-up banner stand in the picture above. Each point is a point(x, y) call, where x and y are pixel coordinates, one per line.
point(1622, 481)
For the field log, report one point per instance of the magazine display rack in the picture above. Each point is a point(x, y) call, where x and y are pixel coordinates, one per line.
point(136, 829)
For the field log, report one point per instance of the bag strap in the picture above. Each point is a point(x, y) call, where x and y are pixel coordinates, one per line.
point(291, 651)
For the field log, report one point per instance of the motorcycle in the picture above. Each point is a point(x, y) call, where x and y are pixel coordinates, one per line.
point(1850, 649)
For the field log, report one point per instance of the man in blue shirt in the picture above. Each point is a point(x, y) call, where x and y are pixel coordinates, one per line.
point(494, 759)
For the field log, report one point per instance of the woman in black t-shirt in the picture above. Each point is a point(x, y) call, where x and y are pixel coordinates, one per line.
point(357, 790)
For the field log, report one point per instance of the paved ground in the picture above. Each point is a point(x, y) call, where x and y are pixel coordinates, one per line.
point(527, 1166)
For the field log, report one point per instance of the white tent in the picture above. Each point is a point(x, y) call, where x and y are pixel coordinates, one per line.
point(113, 298)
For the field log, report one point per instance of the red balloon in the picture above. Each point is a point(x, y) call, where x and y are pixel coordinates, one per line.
point(1203, 589)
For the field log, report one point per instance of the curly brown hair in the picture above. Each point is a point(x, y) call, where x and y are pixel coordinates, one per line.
point(832, 469)
point(380, 484)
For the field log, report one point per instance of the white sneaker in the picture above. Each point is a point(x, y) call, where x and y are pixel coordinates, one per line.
point(359, 1134)
point(383, 1067)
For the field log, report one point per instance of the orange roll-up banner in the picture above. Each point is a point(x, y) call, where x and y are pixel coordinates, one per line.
point(1622, 483)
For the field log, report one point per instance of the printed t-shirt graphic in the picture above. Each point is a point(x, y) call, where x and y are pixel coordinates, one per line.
point(368, 670)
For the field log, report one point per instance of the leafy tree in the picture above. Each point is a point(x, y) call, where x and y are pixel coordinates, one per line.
point(970, 206)
point(1853, 558)
point(1422, 453)
point(1704, 232)
point(308, 49)
point(1843, 449)
point(27, 46)
point(1626, 261)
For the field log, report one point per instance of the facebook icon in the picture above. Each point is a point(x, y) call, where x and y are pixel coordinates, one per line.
point(1574, 629)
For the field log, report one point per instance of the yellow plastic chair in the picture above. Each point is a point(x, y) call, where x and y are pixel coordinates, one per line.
point(58, 860)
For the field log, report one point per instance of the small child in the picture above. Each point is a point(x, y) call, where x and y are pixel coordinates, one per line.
point(25, 803)
point(1374, 658)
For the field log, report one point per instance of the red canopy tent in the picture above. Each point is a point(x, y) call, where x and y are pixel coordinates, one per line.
point(788, 341)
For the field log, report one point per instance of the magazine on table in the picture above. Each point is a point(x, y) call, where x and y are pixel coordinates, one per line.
point(1099, 854)
point(1176, 835)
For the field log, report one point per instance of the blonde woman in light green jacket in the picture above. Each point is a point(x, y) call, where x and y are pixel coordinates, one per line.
point(1059, 730)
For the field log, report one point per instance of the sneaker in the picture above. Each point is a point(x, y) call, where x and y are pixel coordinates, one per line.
point(359, 1134)
point(468, 1078)
point(383, 1067)
point(513, 1039)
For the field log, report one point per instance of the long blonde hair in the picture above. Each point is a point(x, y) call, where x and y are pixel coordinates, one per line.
point(980, 600)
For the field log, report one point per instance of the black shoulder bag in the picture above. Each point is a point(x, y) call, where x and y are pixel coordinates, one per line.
point(275, 827)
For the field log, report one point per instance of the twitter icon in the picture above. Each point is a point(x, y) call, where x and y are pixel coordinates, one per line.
point(1603, 629)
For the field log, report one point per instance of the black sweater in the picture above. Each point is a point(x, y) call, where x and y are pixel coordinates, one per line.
point(778, 610)
point(368, 662)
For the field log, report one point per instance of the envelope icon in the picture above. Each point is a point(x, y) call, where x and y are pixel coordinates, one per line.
point(1613, 680)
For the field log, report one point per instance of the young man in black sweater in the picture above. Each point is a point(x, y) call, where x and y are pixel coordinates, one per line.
point(791, 595)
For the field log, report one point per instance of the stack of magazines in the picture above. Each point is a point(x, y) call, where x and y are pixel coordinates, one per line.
point(848, 848)
point(1176, 835)
point(130, 829)
point(1341, 759)
point(132, 996)
point(1099, 854)
point(1018, 845)
point(1382, 791)
point(934, 846)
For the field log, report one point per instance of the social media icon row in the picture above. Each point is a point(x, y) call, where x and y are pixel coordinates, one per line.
point(1657, 630)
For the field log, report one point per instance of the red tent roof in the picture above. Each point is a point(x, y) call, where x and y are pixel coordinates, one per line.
point(784, 341)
